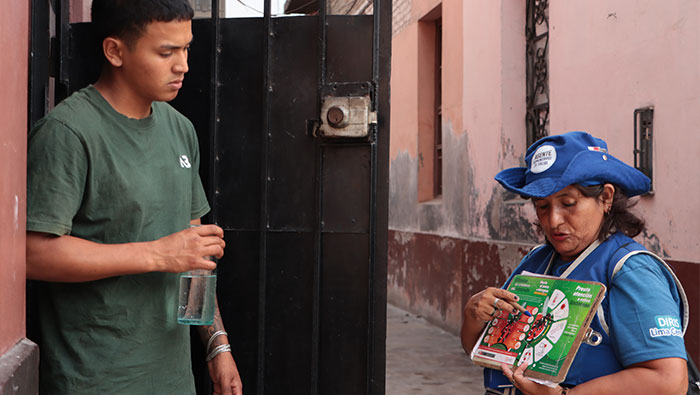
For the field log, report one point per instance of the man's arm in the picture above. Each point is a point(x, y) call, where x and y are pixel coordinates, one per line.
point(72, 259)
point(222, 368)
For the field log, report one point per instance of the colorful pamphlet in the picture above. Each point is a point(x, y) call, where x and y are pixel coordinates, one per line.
point(562, 311)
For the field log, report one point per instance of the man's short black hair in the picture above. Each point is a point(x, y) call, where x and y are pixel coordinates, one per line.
point(127, 19)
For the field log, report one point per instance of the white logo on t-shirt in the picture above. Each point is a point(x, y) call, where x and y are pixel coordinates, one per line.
point(543, 159)
point(184, 162)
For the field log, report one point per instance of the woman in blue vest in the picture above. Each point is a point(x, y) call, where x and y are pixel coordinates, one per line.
point(581, 197)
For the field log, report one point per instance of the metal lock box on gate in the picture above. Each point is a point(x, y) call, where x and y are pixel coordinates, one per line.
point(346, 116)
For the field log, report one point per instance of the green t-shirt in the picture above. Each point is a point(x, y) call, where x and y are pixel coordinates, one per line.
point(98, 175)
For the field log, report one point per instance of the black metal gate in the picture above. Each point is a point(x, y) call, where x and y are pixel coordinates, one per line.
point(292, 115)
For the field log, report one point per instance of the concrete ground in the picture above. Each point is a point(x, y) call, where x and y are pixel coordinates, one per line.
point(424, 359)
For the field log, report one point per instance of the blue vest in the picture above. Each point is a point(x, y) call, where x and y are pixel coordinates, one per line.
point(599, 262)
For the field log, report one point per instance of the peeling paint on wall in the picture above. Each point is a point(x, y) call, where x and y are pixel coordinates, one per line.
point(508, 152)
point(462, 211)
point(455, 212)
point(461, 193)
point(403, 192)
point(509, 218)
point(424, 275)
point(652, 242)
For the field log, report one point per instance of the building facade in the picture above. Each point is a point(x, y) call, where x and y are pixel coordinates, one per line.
point(463, 83)
point(470, 89)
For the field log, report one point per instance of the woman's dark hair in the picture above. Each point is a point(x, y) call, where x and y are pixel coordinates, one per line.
point(127, 19)
point(619, 218)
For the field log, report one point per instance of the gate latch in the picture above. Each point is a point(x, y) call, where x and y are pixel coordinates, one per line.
point(346, 116)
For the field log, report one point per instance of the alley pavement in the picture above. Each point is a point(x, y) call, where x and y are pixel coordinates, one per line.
point(424, 359)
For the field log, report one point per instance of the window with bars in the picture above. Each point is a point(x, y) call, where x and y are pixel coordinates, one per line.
point(644, 142)
point(429, 81)
point(437, 178)
point(537, 65)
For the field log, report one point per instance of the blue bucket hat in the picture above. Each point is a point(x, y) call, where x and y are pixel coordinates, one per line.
point(555, 162)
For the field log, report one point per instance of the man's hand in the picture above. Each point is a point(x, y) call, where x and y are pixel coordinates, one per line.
point(187, 249)
point(224, 373)
point(222, 368)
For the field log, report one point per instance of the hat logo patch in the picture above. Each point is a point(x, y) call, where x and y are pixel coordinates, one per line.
point(543, 159)
point(597, 149)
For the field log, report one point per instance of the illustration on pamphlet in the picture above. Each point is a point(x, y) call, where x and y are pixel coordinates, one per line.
point(561, 311)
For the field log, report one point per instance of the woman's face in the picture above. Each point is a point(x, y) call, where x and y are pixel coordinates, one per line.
point(571, 221)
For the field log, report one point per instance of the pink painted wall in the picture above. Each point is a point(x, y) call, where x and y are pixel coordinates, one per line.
point(452, 66)
point(404, 68)
point(608, 58)
point(494, 98)
point(14, 41)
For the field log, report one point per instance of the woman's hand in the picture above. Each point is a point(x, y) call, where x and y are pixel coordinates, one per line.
point(488, 303)
point(525, 385)
point(480, 309)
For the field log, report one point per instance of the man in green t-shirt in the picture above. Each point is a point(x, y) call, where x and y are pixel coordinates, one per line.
point(112, 188)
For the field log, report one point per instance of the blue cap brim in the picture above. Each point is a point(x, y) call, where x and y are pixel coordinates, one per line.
point(587, 166)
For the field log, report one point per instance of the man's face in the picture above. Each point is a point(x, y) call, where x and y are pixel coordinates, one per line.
point(154, 65)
